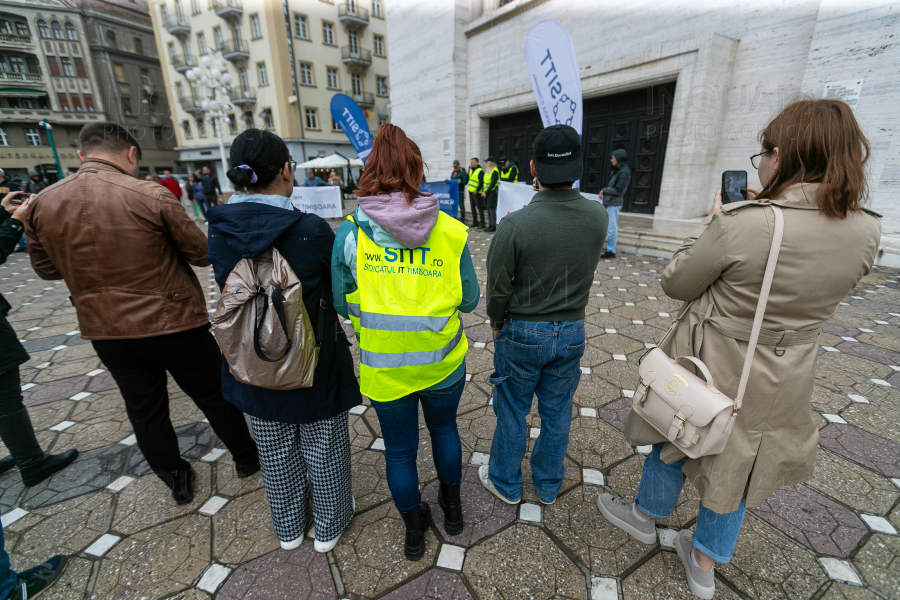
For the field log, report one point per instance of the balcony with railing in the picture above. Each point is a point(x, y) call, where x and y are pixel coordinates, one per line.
point(12, 41)
point(356, 56)
point(29, 78)
point(236, 50)
point(183, 64)
point(349, 13)
point(244, 97)
point(227, 9)
point(190, 106)
point(364, 100)
point(178, 25)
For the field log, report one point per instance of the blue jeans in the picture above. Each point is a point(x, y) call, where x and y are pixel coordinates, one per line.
point(22, 245)
point(612, 234)
point(8, 577)
point(715, 536)
point(543, 358)
point(399, 421)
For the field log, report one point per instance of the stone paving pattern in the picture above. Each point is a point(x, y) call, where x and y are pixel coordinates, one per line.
point(849, 511)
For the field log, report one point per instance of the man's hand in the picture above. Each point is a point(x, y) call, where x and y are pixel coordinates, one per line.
point(496, 333)
point(12, 201)
point(601, 194)
point(19, 213)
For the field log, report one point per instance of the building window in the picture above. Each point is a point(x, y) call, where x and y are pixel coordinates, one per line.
point(54, 66)
point(111, 40)
point(17, 64)
point(335, 126)
point(89, 103)
point(179, 91)
point(126, 106)
point(306, 74)
point(138, 46)
point(22, 28)
point(379, 45)
point(186, 130)
point(236, 34)
point(58, 31)
point(354, 43)
point(201, 43)
point(71, 32)
point(261, 73)
point(328, 33)
point(179, 12)
point(232, 124)
point(67, 68)
point(201, 129)
point(32, 137)
point(301, 27)
point(268, 122)
point(356, 84)
point(247, 120)
point(217, 35)
point(63, 101)
point(5, 26)
point(333, 81)
point(376, 8)
point(172, 54)
point(255, 31)
point(76, 102)
point(195, 7)
point(382, 85)
point(43, 29)
point(145, 78)
point(79, 67)
point(165, 15)
point(4, 141)
point(312, 118)
point(120, 73)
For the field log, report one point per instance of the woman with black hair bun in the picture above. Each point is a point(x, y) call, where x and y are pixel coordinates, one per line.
point(303, 432)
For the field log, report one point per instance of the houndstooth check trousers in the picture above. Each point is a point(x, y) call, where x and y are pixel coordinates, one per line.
point(291, 453)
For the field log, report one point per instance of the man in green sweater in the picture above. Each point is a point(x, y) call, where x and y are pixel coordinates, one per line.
point(540, 266)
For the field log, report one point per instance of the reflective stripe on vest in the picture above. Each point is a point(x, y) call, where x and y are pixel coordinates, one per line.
point(511, 174)
point(405, 312)
point(473, 179)
point(488, 175)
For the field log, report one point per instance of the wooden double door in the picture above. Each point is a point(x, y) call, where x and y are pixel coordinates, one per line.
point(636, 121)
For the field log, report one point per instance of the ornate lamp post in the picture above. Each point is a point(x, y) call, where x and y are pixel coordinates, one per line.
point(214, 80)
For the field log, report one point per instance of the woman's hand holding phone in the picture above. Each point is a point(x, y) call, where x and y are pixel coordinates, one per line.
point(13, 200)
point(19, 213)
point(717, 201)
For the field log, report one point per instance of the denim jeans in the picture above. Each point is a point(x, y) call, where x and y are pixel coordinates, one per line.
point(612, 234)
point(715, 535)
point(8, 577)
point(543, 358)
point(399, 421)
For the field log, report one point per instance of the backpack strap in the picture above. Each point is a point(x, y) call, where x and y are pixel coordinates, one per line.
point(278, 305)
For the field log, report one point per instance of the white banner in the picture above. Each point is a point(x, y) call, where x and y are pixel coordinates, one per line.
point(553, 70)
point(321, 200)
point(513, 196)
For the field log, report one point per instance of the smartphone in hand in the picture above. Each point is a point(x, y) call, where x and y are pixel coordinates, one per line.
point(734, 186)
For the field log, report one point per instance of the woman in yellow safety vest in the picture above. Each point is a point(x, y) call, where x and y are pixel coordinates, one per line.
point(401, 273)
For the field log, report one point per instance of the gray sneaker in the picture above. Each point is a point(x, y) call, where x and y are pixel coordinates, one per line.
point(702, 582)
point(618, 512)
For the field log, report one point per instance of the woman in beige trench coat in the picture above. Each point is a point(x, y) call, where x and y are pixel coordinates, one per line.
point(829, 243)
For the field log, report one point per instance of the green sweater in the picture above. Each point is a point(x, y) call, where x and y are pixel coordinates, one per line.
point(542, 260)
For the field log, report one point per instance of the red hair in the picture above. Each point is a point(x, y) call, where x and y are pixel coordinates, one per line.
point(394, 165)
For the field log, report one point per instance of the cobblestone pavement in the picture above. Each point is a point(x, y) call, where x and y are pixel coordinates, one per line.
point(834, 537)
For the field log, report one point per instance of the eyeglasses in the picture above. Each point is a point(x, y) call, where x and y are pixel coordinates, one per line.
point(757, 158)
point(293, 164)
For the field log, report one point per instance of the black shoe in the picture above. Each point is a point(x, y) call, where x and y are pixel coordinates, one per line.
point(608, 254)
point(247, 468)
point(183, 491)
point(6, 464)
point(490, 229)
point(37, 579)
point(35, 471)
point(416, 521)
point(448, 499)
point(34, 466)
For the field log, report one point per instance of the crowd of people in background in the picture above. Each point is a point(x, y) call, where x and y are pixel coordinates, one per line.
point(399, 269)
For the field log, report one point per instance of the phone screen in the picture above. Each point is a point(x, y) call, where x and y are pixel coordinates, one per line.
point(734, 186)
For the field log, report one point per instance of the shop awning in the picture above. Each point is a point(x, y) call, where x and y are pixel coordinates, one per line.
point(22, 92)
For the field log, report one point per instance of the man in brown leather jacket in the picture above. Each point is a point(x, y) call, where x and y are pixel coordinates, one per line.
point(124, 247)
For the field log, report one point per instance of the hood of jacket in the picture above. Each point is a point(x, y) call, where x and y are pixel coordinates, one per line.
point(621, 157)
point(251, 227)
point(410, 225)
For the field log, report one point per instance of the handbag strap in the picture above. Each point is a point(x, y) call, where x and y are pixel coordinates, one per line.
point(760, 311)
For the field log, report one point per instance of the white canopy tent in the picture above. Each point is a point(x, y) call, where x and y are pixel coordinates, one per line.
point(335, 161)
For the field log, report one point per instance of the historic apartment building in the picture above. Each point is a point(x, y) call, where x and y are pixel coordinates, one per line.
point(57, 60)
point(286, 61)
point(684, 88)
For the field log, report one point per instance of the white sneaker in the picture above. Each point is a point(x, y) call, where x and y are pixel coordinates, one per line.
point(291, 545)
point(489, 485)
point(330, 544)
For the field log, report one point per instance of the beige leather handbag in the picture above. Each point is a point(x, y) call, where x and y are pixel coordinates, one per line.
point(690, 412)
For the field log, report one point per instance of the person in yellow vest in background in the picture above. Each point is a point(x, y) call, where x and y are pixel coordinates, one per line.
point(476, 188)
point(402, 272)
point(508, 171)
point(491, 187)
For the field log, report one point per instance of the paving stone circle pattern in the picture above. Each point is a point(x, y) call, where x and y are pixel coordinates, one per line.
point(834, 537)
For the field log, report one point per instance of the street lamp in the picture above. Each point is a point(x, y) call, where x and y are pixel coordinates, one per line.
point(46, 125)
point(214, 79)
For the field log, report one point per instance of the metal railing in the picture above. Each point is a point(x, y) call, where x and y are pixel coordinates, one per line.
point(176, 23)
point(365, 99)
point(361, 55)
point(239, 95)
point(19, 77)
point(183, 62)
point(232, 47)
point(227, 7)
point(13, 38)
point(357, 13)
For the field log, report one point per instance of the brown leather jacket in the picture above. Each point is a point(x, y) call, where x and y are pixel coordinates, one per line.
point(123, 247)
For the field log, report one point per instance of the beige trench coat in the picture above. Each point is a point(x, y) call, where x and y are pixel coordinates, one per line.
point(720, 267)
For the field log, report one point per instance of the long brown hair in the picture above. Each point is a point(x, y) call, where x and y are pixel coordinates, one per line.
point(819, 141)
point(394, 165)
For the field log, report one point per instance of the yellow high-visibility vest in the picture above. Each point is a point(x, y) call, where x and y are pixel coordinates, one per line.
point(511, 174)
point(474, 184)
point(405, 312)
point(488, 175)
